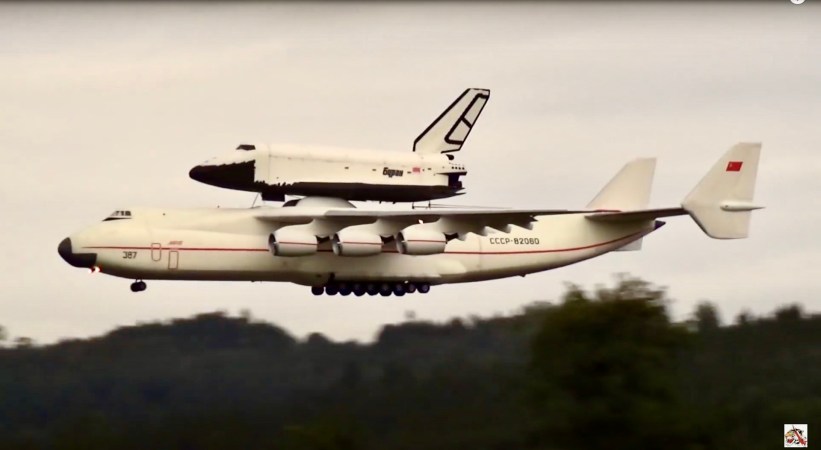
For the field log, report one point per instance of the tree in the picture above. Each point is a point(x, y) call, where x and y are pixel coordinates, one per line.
point(603, 369)
point(706, 317)
point(745, 317)
point(324, 433)
point(24, 342)
point(788, 313)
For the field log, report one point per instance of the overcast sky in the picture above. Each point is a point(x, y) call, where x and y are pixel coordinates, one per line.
point(106, 106)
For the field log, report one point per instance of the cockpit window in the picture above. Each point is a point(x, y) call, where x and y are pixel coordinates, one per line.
point(291, 203)
point(246, 147)
point(118, 215)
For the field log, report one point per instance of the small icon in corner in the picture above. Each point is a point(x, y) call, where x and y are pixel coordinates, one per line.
point(796, 2)
point(795, 435)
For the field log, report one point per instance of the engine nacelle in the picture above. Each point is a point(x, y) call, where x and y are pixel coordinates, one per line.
point(356, 243)
point(285, 242)
point(420, 241)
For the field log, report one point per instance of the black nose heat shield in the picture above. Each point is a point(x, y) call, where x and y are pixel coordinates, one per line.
point(231, 176)
point(87, 260)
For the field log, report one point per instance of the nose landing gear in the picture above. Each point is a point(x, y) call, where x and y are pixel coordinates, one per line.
point(138, 286)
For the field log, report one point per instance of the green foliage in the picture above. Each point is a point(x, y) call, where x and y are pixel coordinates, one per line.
point(605, 369)
point(745, 317)
point(789, 313)
point(706, 317)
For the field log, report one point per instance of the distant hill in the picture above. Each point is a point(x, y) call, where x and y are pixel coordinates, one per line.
point(600, 370)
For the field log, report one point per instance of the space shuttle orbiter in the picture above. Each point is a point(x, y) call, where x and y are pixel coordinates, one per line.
point(427, 173)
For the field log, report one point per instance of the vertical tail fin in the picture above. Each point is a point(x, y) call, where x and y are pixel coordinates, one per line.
point(629, 189)
point(450, 130)
point(721, 203)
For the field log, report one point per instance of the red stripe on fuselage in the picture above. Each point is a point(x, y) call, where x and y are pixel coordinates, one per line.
point(191, 249)
point(559, 250)
point(517, 252)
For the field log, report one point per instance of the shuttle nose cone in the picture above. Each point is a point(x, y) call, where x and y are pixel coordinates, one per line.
point(75, 259)
point(232, 176)
point(213, 175)
point(199, 173)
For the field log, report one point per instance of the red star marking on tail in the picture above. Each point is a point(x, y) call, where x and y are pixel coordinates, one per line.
point(734, 166)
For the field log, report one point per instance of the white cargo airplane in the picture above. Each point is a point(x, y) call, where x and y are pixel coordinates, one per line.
point(333, 247)
point(427, 173)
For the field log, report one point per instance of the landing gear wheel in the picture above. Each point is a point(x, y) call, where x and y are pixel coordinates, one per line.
point(358, 289)
point(385, 290)
point(399, 289)
point(317, 290)
point(372, 289)
point(344, 289)
point(424, 288)
point(138, 286)
point(410, 288)
point(331, 289)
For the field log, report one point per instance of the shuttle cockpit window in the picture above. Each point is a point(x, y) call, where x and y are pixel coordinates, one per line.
point(118, 215)
point(246, 147)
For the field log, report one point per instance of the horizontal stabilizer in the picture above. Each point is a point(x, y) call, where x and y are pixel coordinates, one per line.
point(636, 216)
point(720, 204)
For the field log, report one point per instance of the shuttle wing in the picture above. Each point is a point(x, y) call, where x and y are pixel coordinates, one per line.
point(451, 222)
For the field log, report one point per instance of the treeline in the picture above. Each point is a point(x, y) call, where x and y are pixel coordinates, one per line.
point(606, 369)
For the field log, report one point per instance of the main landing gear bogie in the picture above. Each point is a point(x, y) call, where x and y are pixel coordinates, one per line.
point(371, 289)
point(138, 286)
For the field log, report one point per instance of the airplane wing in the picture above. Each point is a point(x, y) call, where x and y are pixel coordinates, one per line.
point(387, 222)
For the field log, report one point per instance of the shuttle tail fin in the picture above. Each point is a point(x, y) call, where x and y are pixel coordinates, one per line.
point(722, 202)
point(450, 130)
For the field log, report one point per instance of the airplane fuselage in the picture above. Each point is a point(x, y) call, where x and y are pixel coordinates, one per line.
point(232, 245)
point(329, 244)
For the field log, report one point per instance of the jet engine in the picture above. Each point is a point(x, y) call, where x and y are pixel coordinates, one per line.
point(285, 242)
point(356, 243)
point(420, 241)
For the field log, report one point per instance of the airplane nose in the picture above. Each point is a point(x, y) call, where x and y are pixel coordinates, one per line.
point(66, 252)
point(64, 249)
